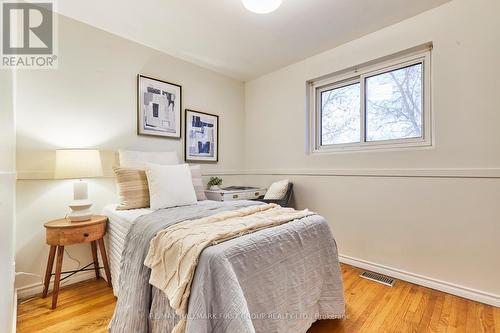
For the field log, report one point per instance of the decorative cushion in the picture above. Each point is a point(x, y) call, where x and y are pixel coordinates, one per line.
point(170, 186)
point(277, 190)
point(139, 159)
point(198, 182)
point(132, 187)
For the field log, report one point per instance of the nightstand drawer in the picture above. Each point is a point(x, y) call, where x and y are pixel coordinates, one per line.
point(75, 235)
point(225, 195)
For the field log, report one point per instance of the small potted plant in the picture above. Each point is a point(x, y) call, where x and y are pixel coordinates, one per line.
point(214, 183)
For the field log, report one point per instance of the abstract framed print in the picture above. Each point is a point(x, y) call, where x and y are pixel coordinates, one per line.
point(158, 107)
point(202, 137)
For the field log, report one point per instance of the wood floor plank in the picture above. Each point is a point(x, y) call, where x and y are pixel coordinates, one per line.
point(361, 305)
point(471, 324)
point(435, 320)
point(461, 324)
point(406, 321)
point(395, 322)
point(496, 319)
point(425, 321)
point(392, 306)
point(446, 312)
point(485, 318)
point(421, 309)
point(87, 307)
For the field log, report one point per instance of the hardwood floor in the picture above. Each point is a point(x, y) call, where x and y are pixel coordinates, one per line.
point(371, 307)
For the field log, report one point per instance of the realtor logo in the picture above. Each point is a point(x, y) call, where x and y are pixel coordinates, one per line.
point(28, 35)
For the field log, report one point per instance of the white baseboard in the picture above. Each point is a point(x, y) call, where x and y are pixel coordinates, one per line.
point(450, 288)
point(36, 289)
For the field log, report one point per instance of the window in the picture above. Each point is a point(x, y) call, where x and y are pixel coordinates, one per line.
point(386, 105)
point(340, 120)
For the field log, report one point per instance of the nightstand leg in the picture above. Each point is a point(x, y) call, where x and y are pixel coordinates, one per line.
point(105, 260)
point(94, 256)
point(48, 270)
point(55, 292)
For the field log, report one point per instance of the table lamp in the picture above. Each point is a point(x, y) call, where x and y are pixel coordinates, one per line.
point(78, 164)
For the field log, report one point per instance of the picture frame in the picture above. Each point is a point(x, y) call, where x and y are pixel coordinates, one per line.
point(159, 105)
point(202, 137)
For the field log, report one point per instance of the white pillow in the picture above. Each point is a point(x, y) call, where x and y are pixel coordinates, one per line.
point(139, 159)
point(277, 190)
point(170, 186)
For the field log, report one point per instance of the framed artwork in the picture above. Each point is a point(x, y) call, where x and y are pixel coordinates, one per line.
point(158, 108)
point(202, 137)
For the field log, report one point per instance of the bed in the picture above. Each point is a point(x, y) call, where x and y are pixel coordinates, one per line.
point(279, 279)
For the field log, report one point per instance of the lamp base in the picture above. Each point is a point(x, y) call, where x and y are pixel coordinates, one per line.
point(80, 210)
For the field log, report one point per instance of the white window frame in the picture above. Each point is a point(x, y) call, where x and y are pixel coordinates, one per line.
point(359, 74)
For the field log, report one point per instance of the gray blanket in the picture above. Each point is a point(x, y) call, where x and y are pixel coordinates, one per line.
point(276, 280)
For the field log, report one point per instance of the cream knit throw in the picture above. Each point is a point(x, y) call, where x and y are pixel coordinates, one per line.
point(173, 252)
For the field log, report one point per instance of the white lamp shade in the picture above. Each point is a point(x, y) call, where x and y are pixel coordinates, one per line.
point(78, 163)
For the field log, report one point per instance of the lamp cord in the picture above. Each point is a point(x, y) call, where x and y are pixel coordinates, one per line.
point(63, 283)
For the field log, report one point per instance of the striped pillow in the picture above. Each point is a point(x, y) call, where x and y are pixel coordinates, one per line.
point(197, 182)
point(133, 188)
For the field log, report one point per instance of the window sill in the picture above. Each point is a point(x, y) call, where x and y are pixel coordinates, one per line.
point(373, 146)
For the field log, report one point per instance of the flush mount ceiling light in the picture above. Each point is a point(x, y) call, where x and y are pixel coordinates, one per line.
point(261, 6)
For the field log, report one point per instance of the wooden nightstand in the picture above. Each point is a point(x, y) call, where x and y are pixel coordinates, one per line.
point(62, 232)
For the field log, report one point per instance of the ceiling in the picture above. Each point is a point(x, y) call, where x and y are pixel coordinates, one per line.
point(223, 36)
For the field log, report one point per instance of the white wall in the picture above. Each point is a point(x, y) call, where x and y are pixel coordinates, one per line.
point(7, 197)
point(90, 102)
point(423, 211)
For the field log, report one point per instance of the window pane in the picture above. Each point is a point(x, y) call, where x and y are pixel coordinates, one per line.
point(394, 104)
point(340, 115)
